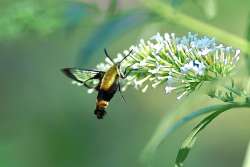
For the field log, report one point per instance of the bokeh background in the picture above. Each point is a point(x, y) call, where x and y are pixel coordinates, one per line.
point(46, 121)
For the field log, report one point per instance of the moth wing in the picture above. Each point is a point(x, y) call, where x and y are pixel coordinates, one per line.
point(85, 77)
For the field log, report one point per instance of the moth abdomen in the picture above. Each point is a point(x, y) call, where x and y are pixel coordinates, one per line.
point(100, 113)
point(101, 105)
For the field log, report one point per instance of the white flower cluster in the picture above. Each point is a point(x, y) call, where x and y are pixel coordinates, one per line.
point(181, 63)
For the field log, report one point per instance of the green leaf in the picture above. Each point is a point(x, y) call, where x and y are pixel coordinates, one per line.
point(190, 140)
point(246, 162)
point(172, 122)
point(192, 137)
point(175, 120)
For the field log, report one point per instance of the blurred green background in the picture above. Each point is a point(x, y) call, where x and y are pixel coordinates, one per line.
point(46, 121)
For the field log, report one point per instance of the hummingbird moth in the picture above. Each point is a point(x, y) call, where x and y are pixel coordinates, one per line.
point(107, 82)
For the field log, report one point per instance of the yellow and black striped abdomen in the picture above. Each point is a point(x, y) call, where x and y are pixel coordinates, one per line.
point(108, 87)
point(109, 78)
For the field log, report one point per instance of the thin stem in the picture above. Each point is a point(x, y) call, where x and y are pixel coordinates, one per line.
point(169, 13)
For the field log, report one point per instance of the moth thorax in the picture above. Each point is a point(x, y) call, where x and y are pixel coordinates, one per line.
point(102, 104)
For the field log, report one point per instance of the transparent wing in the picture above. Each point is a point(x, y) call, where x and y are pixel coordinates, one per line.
point(88, 78)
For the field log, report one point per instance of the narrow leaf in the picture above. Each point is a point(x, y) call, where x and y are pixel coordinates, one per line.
point(172, 122)
point(247, 157)
point(190, 140)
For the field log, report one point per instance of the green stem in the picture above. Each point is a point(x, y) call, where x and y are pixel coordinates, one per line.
point(169, 13)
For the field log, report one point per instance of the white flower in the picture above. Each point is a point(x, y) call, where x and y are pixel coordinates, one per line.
point(138, 83)
point(167, 37)
point(157, 37)
point(183, 94)
point(204, 51)
point(156, 84)
point(77, 83)
point(180, 62)
point(155, 70)
point(118, 58)
point(158, 48)
point(169, 89)
point(195, 66)
point(102, 66)
point(145, 89)
point(91, 91)
point(108, 61)
point(236, 56)
point(170, 80)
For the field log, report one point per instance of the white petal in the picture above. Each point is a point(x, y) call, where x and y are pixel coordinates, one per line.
point(183, 94)
point(145, 89)
point(91, 91)
point(169, 89)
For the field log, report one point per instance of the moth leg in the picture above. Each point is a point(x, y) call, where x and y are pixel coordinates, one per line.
point(119, 88)
point(127, 72)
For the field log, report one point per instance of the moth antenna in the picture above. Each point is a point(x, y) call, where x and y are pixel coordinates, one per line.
point(107, 55)
point(126, 56)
